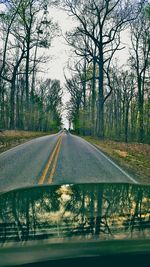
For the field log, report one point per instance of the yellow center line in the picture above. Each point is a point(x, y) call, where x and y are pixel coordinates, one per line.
point(43, 176)
point(50, 178)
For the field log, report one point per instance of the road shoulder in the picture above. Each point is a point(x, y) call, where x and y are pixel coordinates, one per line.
point(13, 138)
point(132, 157)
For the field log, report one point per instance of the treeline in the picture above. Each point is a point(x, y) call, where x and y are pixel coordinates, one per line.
point(27, 101)
point(109, 100)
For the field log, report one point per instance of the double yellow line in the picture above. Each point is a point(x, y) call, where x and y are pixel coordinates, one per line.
point(53, 159)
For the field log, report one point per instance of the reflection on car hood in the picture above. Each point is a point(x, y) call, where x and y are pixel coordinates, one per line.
point(75, 212)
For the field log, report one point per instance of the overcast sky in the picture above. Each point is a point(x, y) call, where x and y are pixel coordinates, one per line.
point(60, 52)
point(59, 49)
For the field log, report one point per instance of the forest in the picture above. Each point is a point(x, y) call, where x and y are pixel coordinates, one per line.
point(27, 101)
point(110, 95)
point(107, 73)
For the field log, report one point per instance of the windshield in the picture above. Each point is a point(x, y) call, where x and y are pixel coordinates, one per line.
point(74, 126)
point(76, 212)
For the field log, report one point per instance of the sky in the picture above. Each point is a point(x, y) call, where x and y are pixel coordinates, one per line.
point(59, 49)
point(60, 52)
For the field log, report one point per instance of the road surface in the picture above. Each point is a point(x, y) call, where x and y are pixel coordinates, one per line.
point(59, 158)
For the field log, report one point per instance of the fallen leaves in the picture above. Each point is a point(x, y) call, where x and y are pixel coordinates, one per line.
point(123, 154)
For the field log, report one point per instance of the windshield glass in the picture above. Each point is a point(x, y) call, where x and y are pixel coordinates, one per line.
point(74, 127)
point(75, 212)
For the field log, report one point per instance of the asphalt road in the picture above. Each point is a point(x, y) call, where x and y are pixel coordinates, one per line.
point(57, 159)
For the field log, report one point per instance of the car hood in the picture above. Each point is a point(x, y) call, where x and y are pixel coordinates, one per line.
point(75, 212)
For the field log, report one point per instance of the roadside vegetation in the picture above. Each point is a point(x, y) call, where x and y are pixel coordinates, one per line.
point(133, 157)
point(11, 138)
point(110, 90)
point(28, 101)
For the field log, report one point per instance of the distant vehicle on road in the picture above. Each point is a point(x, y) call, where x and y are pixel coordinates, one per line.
point(66, 130)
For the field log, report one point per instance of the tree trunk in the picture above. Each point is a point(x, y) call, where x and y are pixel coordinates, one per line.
point(99, 211)
point(13, 89)
point(17, 106)
point(93, 96)
point(126, 122)
point(141, 127)
point(22, 84)
point(12, 103)
point(2, 107)
point(0, 103)
point(27, 72)
point(140, 111)
point(84, 98)
point(101, 96)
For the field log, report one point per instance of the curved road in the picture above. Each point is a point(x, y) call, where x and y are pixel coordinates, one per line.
point(58, 158)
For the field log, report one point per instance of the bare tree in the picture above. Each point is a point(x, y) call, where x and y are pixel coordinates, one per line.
point(25, 29)
point(101, 22)
point(74, 87)
point(140, 53)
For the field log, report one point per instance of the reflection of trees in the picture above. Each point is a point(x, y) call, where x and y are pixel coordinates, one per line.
point(99, 211)
point(139, 219)
point(20, 212)
point(107, 209)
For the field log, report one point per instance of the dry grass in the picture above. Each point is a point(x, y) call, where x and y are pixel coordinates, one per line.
point(134, 157)
point(19, 134)
point(9, 139)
